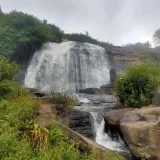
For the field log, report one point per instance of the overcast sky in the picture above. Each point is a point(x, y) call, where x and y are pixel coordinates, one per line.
point(116, 21)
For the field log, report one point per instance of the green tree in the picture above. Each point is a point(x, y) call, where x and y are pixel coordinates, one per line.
point(156, 37)
point(137, 86)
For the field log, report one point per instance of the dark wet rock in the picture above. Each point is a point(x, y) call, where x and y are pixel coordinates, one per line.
point(114, 74)
point(39, 94)
point(104, 89)
point(96, 103)
point(107, 88)
point(91, 91)
point(80, 122)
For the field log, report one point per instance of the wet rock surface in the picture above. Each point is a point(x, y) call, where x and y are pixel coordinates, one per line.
point(92, 91)
point(80, 122)
point(114, 74)
point(107, 88)
point(80, 116)
point(104, 89)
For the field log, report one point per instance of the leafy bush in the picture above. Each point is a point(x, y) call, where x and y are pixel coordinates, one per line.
point(62, 148)
point(12, 149)
point(7, 69)
point(18, 109)
point(10, 89)
point(63, 103)
point(137, 86)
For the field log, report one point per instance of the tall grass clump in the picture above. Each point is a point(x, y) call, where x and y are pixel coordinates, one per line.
point(63, 103)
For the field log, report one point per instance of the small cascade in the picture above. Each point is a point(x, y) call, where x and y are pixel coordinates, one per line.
point(103, 138)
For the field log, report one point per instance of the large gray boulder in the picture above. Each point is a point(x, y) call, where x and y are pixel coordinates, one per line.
point(80, 122)
point(140, 129)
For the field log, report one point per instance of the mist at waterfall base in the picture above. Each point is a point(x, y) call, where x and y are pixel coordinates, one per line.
point(68, 66)
point(71, 66)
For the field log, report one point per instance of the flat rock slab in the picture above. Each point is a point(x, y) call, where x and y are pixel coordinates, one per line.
point(114, 117)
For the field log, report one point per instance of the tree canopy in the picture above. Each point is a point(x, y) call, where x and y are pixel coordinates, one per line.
point(18, 29)
point(156, 37)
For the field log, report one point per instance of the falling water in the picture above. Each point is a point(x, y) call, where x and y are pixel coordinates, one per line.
point(68, 66)
point(103, 138)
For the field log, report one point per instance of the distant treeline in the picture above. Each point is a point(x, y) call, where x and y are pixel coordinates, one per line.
point(138, 45)
point(20, 31)
point(85, 38)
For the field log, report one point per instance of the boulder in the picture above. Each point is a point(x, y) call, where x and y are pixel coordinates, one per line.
point(80, 122)
point(92, 91)
point(107, 88)
point(113, 118)
point(140, 129)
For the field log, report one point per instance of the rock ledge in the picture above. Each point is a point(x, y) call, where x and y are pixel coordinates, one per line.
point(140, 128)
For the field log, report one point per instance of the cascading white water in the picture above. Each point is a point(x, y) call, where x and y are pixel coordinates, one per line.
point(68, 66)
point(102, 137)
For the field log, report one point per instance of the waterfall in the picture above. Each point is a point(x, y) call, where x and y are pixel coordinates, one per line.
point(103, 138)
point(68, 66)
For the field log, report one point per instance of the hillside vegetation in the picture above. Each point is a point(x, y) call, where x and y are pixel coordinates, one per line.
point(20, 137)
point(22, 32)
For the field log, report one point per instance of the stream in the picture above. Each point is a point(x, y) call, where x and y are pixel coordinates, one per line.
point(97, 106)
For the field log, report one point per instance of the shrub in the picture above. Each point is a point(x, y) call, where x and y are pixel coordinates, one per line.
point(137, 86)
point(18, 109)
point(63, 103)
point(7, 69)
point(13, 149)
point(10, 89)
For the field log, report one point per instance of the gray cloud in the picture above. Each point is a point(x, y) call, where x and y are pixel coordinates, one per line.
point(116, 21)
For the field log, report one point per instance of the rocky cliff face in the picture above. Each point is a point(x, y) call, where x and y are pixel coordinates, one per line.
point(122, 57)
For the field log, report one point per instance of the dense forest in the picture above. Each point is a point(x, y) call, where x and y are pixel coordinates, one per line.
point(25, 33)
